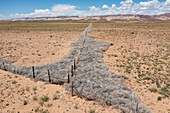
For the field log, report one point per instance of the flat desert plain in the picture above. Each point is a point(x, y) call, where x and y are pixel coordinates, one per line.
point(140, 51)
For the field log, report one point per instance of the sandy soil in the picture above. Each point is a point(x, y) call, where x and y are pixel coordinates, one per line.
point(130, 45)
point(35, 47)
point(22, 95)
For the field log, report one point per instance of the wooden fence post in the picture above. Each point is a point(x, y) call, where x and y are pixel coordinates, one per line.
point(137, 108)
point(4, 66)
point(33, 73)
point(72, 88)
point(74, 64)
point(49, 76)
point(71, 70)
point(68, 78)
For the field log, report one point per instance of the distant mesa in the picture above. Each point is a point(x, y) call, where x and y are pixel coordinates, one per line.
point(101, 18)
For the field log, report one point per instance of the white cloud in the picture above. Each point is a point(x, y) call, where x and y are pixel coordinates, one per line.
point(2, 16)
point(57, 10)
point(166, 7)
point(126, 7)
point(126, 2)
point(36, 13)
point(167, 2)
point(62, 7)
point(113, 5)
point(105, 7)
point(151, 7)
point(94, 9)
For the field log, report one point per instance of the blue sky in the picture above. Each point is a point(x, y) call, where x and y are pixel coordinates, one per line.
point(38, 8)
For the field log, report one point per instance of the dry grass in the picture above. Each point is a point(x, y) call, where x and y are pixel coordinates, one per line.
point(43, 26)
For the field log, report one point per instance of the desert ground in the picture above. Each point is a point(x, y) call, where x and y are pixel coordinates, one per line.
point(140, 51)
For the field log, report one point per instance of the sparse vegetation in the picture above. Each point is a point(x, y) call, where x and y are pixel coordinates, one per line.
point(34, 88)
point(28, 89)
point(76, 107)
point(159, 98)
point(57, 91)
point(36, 109)
point(44, 98)
point(144, 58)
point(144, 55)
point(92, 111)
point(41, 103)
point(55, 97)
point(35, 98)
point(25, 102)
point(49, 105)
point(153, 89)
point(14, 82)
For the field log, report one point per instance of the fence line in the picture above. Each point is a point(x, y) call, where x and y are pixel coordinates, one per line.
point(75, 62)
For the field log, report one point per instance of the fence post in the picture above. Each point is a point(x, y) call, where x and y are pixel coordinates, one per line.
point(78, 92)
point(68, 78)
point(74, 64)
point(71, 70)
point(33, 72)
point(49, 75)
point(72, 88)
point(137, 108)
point(4, 66)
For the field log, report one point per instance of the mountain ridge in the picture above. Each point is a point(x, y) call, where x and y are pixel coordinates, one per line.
point(100, 18)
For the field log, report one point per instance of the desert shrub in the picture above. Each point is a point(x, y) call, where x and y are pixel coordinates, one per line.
point(44, 98)
point(57, 92)
point(14, 82)
point(49, 105)
point(76, 107)
point(41, 103)
point(25, 102)
point(153, 89)
point(35, 98)
point(115, 55)
point(92, 111)
point(34, 88)
point(159, 98)
point(147, 78)
point(55, 97)
point(28, 89)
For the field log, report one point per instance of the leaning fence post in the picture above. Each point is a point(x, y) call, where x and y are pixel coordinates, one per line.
point(78, 92)
point(49, 75)
point(137, 108)
point(74, 64)
point(68, 78)
point(72, 88)
point(33, 72)
point(71, 70)
point(4, 66)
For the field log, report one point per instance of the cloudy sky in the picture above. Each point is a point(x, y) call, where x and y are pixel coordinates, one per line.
point(51, 8)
